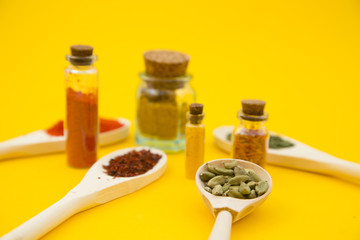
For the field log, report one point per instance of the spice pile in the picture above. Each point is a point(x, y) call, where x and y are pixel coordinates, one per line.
point(105, 126)
point(275, 142)
point(132, 163)
point(233, 181)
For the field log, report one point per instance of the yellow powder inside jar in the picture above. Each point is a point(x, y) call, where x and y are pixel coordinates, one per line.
point(158, 117)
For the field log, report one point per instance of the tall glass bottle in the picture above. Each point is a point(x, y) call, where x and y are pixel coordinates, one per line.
point(82, 123)
point(195, 140)
point(250, 138)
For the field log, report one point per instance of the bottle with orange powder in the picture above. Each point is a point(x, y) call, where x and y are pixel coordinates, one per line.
point(250, 138)
point(82, 122)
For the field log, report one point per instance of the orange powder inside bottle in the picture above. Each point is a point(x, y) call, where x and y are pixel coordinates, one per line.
point(82, 128)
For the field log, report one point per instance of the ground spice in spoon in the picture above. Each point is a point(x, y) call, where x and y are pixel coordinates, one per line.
point(105, 126)
point(132, 163)
point(275, 142)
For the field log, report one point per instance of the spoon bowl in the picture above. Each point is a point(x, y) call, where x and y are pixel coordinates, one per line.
point(96, 188)
point(228, 209)
point(107, 188)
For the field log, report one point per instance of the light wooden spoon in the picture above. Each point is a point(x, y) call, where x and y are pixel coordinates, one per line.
point(96, 188)
point(39, 142)
point(228, 209)
point(300, 156)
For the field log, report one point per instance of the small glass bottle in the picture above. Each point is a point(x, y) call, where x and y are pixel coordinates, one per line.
point(82, 122)
point(163, 99)
point(250, 138)
point(195, 140)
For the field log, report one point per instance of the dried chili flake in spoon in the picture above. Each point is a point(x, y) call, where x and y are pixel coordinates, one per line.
point(132, 163)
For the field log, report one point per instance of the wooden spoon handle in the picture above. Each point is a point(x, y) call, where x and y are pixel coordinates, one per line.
point(346, 170)
point(222, 227)
point(46, 220)
point(319, 162)
point(9, 150)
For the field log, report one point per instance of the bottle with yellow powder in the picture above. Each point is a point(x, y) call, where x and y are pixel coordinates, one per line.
point(195, 140)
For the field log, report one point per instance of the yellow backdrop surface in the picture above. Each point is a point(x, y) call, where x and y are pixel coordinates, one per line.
point(302, 57)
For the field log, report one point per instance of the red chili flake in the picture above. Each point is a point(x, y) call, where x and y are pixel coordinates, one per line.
point(132, 163)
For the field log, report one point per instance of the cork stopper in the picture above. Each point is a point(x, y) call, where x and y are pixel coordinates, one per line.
point(81, 50)
point(196, 108)
point(81, 55)
point(253, 110)
point(253, 107)
point(195, 115)
point(166, 63)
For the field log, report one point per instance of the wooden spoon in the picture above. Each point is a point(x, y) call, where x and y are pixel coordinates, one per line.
point(96, 188)
point(228, 209)
point(300, 156)
point(39, 142)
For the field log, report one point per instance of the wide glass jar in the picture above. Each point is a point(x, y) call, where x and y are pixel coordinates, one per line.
point(162, 105)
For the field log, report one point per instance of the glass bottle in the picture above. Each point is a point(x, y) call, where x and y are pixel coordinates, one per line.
point(250, 138)
point(195, 140)
point(82, 122)
point(163, 99)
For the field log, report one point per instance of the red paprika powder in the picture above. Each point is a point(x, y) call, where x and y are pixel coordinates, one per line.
point(57, 129)
point(106, 125)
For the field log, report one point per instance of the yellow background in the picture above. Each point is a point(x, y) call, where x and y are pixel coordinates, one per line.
point(302, 57)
